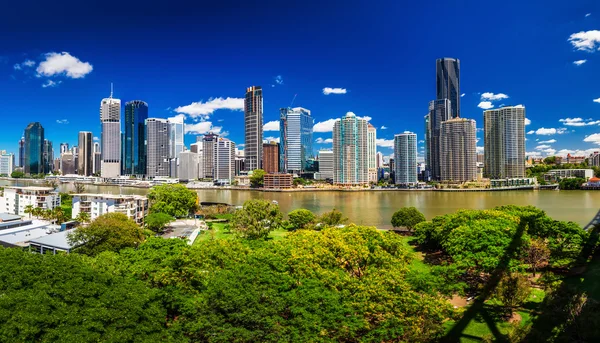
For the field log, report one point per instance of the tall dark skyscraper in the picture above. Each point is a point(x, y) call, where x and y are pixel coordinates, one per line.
point(34, 149)
point(158, 133)
point(253, 127)
point(448, 83)
point(85, 162)
point(134, 138)
point(48, 156)
point(439, 112)
point(22, 152)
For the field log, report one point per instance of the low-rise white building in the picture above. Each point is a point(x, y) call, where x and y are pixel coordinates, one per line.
point(16, 199)
point(135, 207)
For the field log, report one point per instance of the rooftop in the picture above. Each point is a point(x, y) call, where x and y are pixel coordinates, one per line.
point(57, 240)
point(7, 217)
point(30, 188)
point(111, 196)
point(21, 235)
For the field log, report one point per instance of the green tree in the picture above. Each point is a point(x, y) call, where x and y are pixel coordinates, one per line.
point(83, 217)
point(173, 199)
point(332, 218)
point(17, 174)
point(109, 232)
point(256, 219)
point(537, 254)
point(29, 210)
point(550, 160)
point(571, 183)
point(301, 219)
point(79, 187)
point(407, 217)
point(157, 221)
point(257, 178)
point(513, 290)
point(52, 183)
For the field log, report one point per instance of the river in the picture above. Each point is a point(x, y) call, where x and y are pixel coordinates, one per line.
point(376, 207)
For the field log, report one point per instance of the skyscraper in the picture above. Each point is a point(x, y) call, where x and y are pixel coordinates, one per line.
point(22, 152)
point(448, 83)
point(372, 152)
point(177, 128)
point(110, 118)
point(34, 149)
point(350, 164)
point(134, 138)
point(504, 141)
point(271, 157)
point(253, 127)
point(439, 111)
point(458, 150)
point(48, 156)
point(405, 158)
point(188, 166)
point(296, 132)
point(326, 165)
point(86, 155)
point(64, 147)
point(67, 163)
point(224, 160)
point(96, 159)
point(208, 154)
point(157, 133)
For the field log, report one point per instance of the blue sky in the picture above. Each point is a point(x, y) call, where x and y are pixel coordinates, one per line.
point(199, 58)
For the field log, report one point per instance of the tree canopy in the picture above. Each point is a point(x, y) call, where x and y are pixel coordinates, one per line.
point(157, 221)
point(173, 199)
point(17, 174)
point(301, 219)
point(407, 217)
point(109, 232)
point(256, 219)
point(257, 178)
point(332, 218)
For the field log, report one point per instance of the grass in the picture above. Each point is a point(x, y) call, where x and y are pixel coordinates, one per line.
point(218, 232)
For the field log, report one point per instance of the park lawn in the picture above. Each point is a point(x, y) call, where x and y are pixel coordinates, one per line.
point(417, 264)
point(218, 232)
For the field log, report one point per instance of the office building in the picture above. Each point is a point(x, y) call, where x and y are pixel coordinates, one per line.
point(34, 149)
point(439, 111)
point(188, 166)
point(448, 83)
point(271, 157)
point(326, 165)
point(135, 207)
point(110, 119)
point(157, 133)
point(48, 156)
point(224, 161)
point(372, 152)
point(134, 138)
point(458, 150)
point(379, 160)
point(85, 156)
point(7, 164)
point(15, 200)
point(97, 159)
point(405, 158)
point(350, 165)
point(177, 128)
point(64, 147)
point(67, 163)
point(278, 181)
point(296, 134)
point(208, 155)
point(504, 139)
point(22, 152)
point(253, 127)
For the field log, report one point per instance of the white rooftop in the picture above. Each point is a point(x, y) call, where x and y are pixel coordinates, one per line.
point(57, 240)
point(23, 234)
point(30, 188)
point(110, 196)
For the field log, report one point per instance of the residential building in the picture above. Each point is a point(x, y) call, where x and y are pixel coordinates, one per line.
point(85, 162)
point(188, 166)
point(350, 151)
point(208, 155)
point(224, 161)
point(326, 165)
point(458, 150)
point(157, 133)
point(379, 159)
point(48, 154)
point(504, 142)
point(34, 149)
point(67, 163)
point(110, 119)
point(134, 138)
point(439, 112)
point(557, 174)
point(271, 157)
point(296, 135)
point(253, 127)
point(7, 163)
point(177, 127)
point(594, 159)
point(574, 159)
point(405, 158)
point(135, 207)
point(22, 152)
point(15, 200)
point(278, 181)
point(372, 152)
point(56, 242)
point(448, 83)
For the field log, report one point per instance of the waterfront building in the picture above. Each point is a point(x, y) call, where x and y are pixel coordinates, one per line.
point(135, 207)
point(253, 127)
point(85, 161)
point(7, 163)
point(458, 150)
point(350, 151)
point(67, 163)
point(34, 149)
point(326, 165)
point(188, 166)
point(439, 112)
point(405, 158)
point(481, 158)
point(48, 154)
point(504, 142)
point(448, 83)
point(271, 157)
point(556, 175)
point(16, 199)
point(134, 138)
point(379, 159)
point(372, 152)
point(208, 155)
point(110, 119)
point(22, 152)
point(177, 128)
point(157, 133)
point(224, 161)
point(278, 181)
point(56, 163)
point(296, 134)
point(242, 180)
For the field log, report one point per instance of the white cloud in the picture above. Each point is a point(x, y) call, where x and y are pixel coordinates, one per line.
point(493, 97)
point(542, 147)
point(271, 126)
point(385, 143)
point(367, 118)
point(202, 127)
point(533, 154)
point(271, 139)
point(587, 15)
point(196, 109)
point(597, 100)
point(324, 141)
point(62, 121)
point(324, 126)
point(28, 63)
point(329, 90)
point(577, 152)
point(579, 62)
point(383, 127)
point(278, 80)
point(421, 142)
point(180, 118)
point(527, 121)
point(530, 132)
point(240, 145)
point(463, 94)
point(50, 83)
point(585, 40)
point(480, 149)
point(593, 138)
point(96, 139)
point(486, 105)
point(549, 151)
point(63, 63)
point(549, 131)
point(519, 106)
point(550, 141)
point(578, 122)
point(17, 66)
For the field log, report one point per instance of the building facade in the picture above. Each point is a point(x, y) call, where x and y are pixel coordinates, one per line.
point(208, 155)
point(22, 152)
point(326, 165)
point(278, 181)
point(253, 127)
point(439, 112)
point(350, 156)
point(458, 150)
point(188, 165)
point(110, 119)
point(296, 134)
point(34, 149)
point(7, 164)
point(448, 83)
point(372, 152)
point(134, 138)
point(504, 139)
point(67, 163)
point(157, 133)
point(177, 127)
point(86, 155)
point(271, 157)
point(224, 161)
point(405, 158)
point(48, 156)
point(135, 207)
point(16, 200)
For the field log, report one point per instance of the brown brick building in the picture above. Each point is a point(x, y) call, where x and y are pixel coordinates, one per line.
point(271, 157)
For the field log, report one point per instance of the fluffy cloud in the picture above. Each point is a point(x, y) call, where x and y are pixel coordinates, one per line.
point(549, 151)
point(480, 149)
point(278, 80)
point(180, 118)
point(530, 132)
point(577, 152)
point(50, 83)
point(493, 97)
point(202, 127)
point(579, 62)
point(597, 100)
point(62, 121)
point(533, 154)
point(96, 139)
point(383, 127)
point(486, 105)
point(527, 121)
point(593, 138)
point(550, 141)
point(329, 90)
point(578, 122)
point(385, 143)
point(367, 118)
point(63, 63)
point(324, 141)
point(271, 126)
point(463, 94)
point(271, 139)
point(324, 126)
point(542, 147)
point(585, 40)
point(17, 66)
point(549, 131)
point(587, 15)
point(26, 63)
point(196, 109)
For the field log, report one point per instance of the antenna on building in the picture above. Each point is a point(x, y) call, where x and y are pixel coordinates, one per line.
point(111, 90)
point(294, 99)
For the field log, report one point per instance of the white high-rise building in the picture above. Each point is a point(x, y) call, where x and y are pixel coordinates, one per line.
point(135, 207)
point(350, 156)
point(110, 118)
point(188, 165)
point(326, 164)
point(372, 152)
point(16, 200)
point(7, 164)
point(379, 158)
point(177, 128)
point(157, 135)
point(504, 139)
point(224, 160)
point(405, 158)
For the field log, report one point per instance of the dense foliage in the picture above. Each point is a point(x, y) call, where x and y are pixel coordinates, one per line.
point(173, 199)
point(257, 178)
point(157, 221)
point(407, 217)
point(571, 183)
point(301, 219)
point(256, 219)
point(332, 218)
point(109, 232)
point(17, 174)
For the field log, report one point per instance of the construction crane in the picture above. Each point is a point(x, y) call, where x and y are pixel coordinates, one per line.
point(294, 99)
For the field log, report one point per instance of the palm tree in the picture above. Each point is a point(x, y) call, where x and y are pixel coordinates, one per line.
point(79, 188)
point(36, 212)
point(58, 214)
point(29, 210)
point(83, 217)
